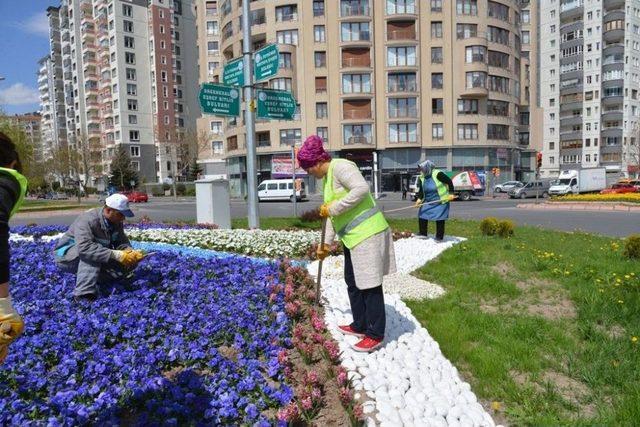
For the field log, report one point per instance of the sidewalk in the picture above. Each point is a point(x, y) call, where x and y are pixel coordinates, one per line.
point(582, 206)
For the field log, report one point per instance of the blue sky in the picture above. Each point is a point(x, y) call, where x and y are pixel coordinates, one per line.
point(24, 40)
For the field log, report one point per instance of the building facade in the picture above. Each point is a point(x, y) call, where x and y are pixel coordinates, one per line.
point(590, 69)
point(126, 72)
point(30, 123)
point(399, 80)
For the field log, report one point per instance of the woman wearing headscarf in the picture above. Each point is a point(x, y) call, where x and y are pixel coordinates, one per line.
point(433, 185)
point(365, 235)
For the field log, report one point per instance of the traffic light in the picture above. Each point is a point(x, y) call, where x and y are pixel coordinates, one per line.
point(539, 161)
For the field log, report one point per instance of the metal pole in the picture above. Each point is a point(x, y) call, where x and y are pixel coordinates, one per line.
point(293, 179)
point(375, 175)
point(252, 179)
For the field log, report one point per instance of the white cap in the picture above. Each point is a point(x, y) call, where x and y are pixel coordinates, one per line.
point(120, 203)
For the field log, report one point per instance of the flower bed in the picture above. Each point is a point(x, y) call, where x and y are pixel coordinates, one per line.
point(630, 198)
point(190, 340)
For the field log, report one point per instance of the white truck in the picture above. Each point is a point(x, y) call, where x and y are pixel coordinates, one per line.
point(579, 181)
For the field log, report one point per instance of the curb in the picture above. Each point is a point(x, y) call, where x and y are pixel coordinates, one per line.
point(581, 206)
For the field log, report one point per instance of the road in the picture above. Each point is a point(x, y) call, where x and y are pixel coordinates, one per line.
point(618, 224)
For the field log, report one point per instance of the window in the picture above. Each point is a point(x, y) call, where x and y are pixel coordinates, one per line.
point(318, 7)
point(323, 132)
point(356, 83)
point(476, 79)
point(497, 132)
point(498, 35)
point(497, 108)
point(357, 134)
point(467, 106)
point(498, 59)
point(290, 136)
point(437, 80)
point(403, 133)
point(217, 147)
point(401, 56)
point(437, 106)
point(498, 84)
point(133, 119)
point(467, 7)
point(321, 84)
point(402, 82)
point(213, 47)
point(465, 31)
point(134, 135)
point(319, 35)
point(497, 11)
point(402, 108)
point(216, 127)
point(436, 55)
point(132, 105)
point(403, 6)
point(468, 131)
point(475, 54)
point(437, 131)
point(526, 38)
point(320, 59)
point(525, 17)
point(127, 26)
point(284, 60)
point(287, 13)
point(436, 5)
point(127, 10)
point(134, 150)
point(436, 30)
point(130, 58)
point(213, 28)
point(321, 110)
point(287, 37)
point(282, 83)
point(135, 165)
point(132, 89)
point(354, 31)
point(129, 42)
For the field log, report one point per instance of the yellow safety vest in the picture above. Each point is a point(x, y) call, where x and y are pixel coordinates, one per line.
point(23, 187)
point(443, 191)
point(358, 223)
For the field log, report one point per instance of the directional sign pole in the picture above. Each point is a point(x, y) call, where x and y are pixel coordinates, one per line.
point(252, 179)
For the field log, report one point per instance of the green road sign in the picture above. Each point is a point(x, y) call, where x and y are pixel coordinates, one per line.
point(233, 73)
point(220, 100)
point(275, 104)
point(265, 62)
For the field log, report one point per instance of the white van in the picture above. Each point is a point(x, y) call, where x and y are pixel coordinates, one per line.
point(280, 189)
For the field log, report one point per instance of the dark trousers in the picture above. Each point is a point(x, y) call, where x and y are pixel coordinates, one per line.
point(423, 225)
point(404, 195)
point(367, 305)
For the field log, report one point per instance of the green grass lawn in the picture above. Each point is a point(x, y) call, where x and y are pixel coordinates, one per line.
point(55, 205)
point(542, 324)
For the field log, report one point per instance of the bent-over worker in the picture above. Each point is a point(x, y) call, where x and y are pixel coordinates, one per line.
point(433, 185)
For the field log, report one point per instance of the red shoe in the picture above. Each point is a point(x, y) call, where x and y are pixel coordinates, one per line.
point(367, 345)
point(348, 330)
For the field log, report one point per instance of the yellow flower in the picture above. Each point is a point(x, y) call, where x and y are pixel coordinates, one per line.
point(618, 280)
point(634, 339)
point(626, 276)
point(495, 405)
point(601, 290)
point(620, 301)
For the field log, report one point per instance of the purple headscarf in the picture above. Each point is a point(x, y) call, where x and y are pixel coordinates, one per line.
point(312, 152)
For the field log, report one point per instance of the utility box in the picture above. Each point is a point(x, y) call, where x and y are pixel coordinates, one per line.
point(212, 202)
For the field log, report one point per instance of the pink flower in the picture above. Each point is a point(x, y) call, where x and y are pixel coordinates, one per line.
point(306, 403)
point(345, 396)
point(332, 350)
point(317, 338)
point(316, 393)
point(283, 357)
point(357, 411)
point(291, 308)
point(288, 413)
point(312, 377)
point(342, 377)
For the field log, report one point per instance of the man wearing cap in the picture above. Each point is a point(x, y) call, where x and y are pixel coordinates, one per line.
point(96, 249)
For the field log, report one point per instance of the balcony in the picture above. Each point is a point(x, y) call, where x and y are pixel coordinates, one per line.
point(395, 87)
point(613, 35)
point(357, 62)
point(570, 135)
point(571, 10)
point(403, 113)
point(570, 120)
point(357, 38)
point(613, 15)
point(616, 113)
point(359, 140)
point(291, 17)
point(401, 34)
point(356, 110)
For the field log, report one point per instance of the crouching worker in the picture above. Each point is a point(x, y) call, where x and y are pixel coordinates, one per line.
point(96, 249)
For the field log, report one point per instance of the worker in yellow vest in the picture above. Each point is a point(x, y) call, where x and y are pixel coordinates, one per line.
point(433, 185)
point(366, 237)
point(13, 187)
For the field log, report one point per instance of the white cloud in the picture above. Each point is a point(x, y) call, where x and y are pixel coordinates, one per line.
point(19, 94)
point(37, 24)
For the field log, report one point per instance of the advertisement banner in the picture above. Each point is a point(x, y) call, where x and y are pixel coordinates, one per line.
point(281, 167)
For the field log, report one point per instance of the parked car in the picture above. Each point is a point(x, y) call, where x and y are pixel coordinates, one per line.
point(57, 196)
point(620, 189)
point(506, 186)
point(280, 189)
point(531, 189)
point(136, 196)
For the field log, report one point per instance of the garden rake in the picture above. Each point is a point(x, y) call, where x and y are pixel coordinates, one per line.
point(319, 278)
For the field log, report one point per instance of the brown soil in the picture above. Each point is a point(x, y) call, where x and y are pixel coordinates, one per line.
point(229, 352)
point(613, 331)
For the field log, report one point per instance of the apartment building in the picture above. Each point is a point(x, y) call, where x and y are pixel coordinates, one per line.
point(30, 123)
point(590, 74)
point(210, 129)
point(401, 79)
point(127, 67)
point(50, 87)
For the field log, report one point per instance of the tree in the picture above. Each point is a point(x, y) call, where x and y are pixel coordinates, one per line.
point(121, 171)
point(19, 137)
point(633, 157)
point(194, 170)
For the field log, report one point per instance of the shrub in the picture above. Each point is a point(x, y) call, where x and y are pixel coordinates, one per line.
point(191, 192)
point(311, 215)
point(166, 187)
point(505, 228)
point(632, 247)
point(157, 191)
point(181, 189)
point(489, 226)
point(90, 190)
